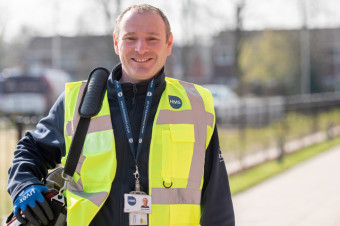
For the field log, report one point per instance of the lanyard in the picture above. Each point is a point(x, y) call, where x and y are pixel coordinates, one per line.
point(126, 120)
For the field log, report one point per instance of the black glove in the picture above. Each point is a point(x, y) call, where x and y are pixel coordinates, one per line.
point(33, 206)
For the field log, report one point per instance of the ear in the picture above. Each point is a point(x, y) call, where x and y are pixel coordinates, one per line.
point(115, 42)
point(169, 44)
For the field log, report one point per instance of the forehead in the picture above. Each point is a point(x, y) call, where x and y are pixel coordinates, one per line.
point(149, 22)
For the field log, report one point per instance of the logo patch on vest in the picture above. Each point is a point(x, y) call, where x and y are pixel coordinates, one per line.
point(175, 102)
point(131, 200)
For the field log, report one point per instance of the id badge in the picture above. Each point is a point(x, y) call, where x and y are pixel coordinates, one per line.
point(137, 203)
point(138, 206)
point(138, 219)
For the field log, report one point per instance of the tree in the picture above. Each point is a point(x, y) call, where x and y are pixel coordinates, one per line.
point(269, 62)
point(3, 23)
point(238, 45)
point(111, 9)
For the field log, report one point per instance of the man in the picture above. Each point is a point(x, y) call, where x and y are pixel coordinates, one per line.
point(175, 160)
point(145, 203)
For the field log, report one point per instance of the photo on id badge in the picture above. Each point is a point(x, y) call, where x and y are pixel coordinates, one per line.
point(137, 203)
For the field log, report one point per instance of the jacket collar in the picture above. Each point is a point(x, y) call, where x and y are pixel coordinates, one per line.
point(134, 89)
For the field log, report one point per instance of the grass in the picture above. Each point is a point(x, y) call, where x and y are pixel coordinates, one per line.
point(255, 175)
point(236, 144)
point(8, 140)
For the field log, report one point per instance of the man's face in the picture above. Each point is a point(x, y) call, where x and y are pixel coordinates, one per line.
point(142, 46)
point(145, 202)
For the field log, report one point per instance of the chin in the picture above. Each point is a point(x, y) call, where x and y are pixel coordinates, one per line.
point(144, 76)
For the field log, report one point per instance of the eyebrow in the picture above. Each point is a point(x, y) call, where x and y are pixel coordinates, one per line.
point(154, 33)
point(150, 33)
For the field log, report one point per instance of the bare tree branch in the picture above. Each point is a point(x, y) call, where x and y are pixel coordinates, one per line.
point(111, 9)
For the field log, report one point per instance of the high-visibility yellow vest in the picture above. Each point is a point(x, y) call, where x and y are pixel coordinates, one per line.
point(181, 132)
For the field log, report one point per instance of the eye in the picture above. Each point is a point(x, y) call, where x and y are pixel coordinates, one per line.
point(130, 38)
point(152, 39)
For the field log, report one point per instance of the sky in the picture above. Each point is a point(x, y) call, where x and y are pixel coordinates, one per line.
point(201, 20)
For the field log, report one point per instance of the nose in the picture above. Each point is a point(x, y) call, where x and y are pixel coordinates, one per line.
point(141, 46)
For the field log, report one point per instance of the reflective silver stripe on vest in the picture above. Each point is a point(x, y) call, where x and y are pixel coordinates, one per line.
point(100, 124)
point(200, 118)
point(95, 198)
point(80, 163)
point(97, 124)
point(176, 196)
point(77, 189)
point(72, 125)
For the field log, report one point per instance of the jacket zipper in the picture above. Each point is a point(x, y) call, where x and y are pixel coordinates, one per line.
point(134, 93)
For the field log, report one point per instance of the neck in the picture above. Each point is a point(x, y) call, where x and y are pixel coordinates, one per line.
point(126, 78)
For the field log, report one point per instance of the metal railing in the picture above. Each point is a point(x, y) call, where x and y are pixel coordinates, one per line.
point(268, 128)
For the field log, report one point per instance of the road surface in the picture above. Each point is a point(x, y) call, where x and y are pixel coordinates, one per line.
point(306, 195)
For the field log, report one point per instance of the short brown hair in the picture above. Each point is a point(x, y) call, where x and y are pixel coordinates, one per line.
point(140, 9)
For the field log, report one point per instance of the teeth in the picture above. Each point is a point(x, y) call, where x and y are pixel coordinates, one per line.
point(141, 60)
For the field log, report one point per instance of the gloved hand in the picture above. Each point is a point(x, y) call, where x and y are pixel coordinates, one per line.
point(33, 205)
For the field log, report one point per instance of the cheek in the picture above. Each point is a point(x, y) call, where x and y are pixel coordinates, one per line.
point(126, 49)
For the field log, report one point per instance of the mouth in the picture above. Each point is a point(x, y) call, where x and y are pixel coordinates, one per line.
point(141, 60)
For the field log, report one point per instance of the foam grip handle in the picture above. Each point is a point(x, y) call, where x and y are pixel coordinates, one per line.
point(94, 93)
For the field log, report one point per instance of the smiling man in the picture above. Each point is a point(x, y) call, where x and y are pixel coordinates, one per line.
point(143, 43)
point(160, 143)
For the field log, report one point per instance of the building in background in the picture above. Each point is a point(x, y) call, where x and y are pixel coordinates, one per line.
point(205, 64)
point(77, 55)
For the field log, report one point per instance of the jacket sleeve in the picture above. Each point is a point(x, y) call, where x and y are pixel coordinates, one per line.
point(38, 151)
point(216, 204)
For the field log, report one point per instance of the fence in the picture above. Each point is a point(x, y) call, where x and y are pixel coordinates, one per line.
point(254, 130)
point(257, 112)
point(256, 127)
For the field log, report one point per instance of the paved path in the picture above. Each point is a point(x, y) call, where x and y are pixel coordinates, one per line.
point(306, 195)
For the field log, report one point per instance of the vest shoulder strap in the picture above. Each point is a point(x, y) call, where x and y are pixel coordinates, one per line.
point(90, 106)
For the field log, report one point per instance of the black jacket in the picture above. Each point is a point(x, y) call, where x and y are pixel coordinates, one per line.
point(43, 148)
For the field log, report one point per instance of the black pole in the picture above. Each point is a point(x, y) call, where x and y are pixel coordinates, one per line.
point(20, 126)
